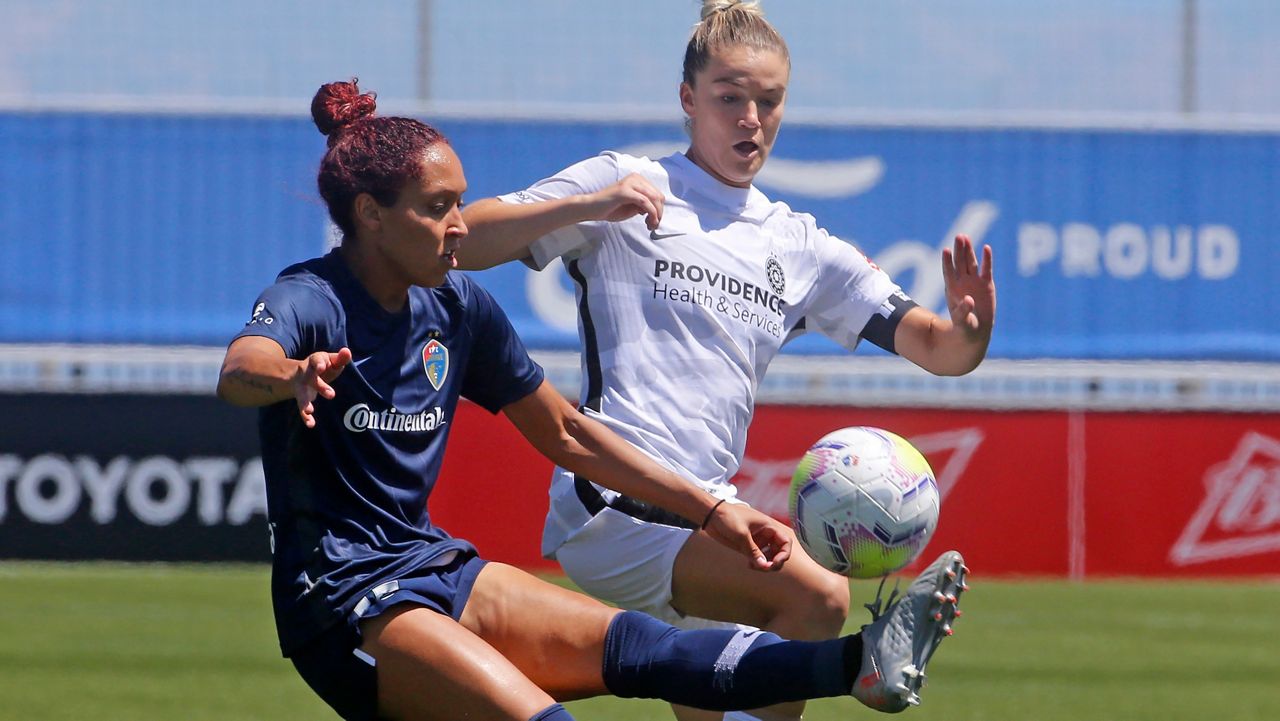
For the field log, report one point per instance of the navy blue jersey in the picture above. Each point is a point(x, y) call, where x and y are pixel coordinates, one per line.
point(347, 500)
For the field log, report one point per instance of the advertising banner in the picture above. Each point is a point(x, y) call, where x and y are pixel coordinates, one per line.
point(130, 477)
point(1078, 494)
point(1032, 493)
point(1039, 493)
point(1109, 243)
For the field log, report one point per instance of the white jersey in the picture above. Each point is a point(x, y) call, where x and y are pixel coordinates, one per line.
point(679, 325)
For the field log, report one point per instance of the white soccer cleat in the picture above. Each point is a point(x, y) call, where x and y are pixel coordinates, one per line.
point(900, 640)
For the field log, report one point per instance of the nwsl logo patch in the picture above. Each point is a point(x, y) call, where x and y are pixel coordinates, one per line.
point(435, 361)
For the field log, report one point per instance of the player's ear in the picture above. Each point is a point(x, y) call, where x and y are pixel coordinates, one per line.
point(686, 98)
point(368, 213)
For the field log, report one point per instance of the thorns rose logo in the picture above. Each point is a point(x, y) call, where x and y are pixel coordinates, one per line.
point(1240, 514)
point(777, 278)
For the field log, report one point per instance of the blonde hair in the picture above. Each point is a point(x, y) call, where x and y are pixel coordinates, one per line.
point(730, 23)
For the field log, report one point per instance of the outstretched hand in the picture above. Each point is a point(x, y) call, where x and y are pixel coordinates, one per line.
point(631, 196)
point(761, 538)
point(971, 290)
point(320, 370)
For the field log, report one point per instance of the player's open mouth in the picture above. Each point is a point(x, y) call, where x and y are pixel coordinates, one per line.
point(746, 148)
point(450, 259)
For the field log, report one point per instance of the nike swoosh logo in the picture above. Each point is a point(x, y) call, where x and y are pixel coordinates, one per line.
point(655, 235)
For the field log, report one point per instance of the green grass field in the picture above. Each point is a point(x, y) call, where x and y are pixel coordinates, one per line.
point(136, 642)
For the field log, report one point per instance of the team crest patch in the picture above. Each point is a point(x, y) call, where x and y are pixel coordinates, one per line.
point(435, 361)
point(777, 279)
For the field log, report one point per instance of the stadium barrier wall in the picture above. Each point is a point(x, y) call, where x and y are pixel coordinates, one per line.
point(1061, 493)
point(139, 477)
point(1039, 493)
point(1111, 243)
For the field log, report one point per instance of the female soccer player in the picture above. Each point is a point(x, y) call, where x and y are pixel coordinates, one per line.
point(689, 280)
point(357, 360)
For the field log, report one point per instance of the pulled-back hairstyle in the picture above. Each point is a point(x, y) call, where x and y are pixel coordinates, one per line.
point(730, 23)
point(367, 153)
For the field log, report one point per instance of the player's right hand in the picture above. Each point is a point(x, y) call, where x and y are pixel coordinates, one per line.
point(317, 373)
point(761, 538)
point(631, 196)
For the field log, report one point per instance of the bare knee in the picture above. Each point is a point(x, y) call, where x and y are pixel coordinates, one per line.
point(812, 610)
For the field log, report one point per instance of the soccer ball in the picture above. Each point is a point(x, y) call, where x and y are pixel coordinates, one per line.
point(863, 502)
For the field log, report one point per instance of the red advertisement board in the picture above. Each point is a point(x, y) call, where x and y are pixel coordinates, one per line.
point(1039, 493)
point(1183, 494)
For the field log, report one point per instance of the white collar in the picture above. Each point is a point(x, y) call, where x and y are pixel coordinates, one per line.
point(748, 202)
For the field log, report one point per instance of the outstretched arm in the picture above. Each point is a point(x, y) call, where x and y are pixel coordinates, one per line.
point(256, 372)
point(956, 345)
point(589, 449)
point(499, 232)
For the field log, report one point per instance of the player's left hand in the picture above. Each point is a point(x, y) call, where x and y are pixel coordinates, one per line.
point(761, 538)
point(971, 290)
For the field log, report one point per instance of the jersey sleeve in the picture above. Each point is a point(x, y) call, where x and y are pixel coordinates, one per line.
point(570, 241)
point(499, 371)
point(853, 298)
point(295, 315)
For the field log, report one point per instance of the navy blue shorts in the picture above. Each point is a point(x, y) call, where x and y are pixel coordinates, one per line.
point(346, 678)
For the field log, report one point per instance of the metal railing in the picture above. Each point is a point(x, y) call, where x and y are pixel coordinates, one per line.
point(857, 380)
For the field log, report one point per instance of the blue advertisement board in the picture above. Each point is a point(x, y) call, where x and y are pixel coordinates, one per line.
point(1109, 243)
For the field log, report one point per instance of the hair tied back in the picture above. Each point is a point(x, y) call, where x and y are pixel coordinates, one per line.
point(338, 105)
point(711, 7)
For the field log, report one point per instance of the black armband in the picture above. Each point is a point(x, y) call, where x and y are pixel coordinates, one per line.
point(884, 322)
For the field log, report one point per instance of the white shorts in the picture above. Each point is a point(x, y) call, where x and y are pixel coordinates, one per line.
point(630, 563)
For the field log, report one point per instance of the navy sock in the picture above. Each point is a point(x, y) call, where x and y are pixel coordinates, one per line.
point(718, 670)
point(852, 658)
point(554, 712)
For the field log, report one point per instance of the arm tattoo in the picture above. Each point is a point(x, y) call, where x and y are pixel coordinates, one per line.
point(248, 380)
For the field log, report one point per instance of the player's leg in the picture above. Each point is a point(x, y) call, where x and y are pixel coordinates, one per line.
point(630, 563)
point(581, 647)
point(688, 713)
point(781, 712)
point(431, 668)
point(574, 646)
point(802, 601)
point(784, 712)
point(650, 567)
point(627, 562)
point(895, 647)
point(554, 635)
point(405, 656)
